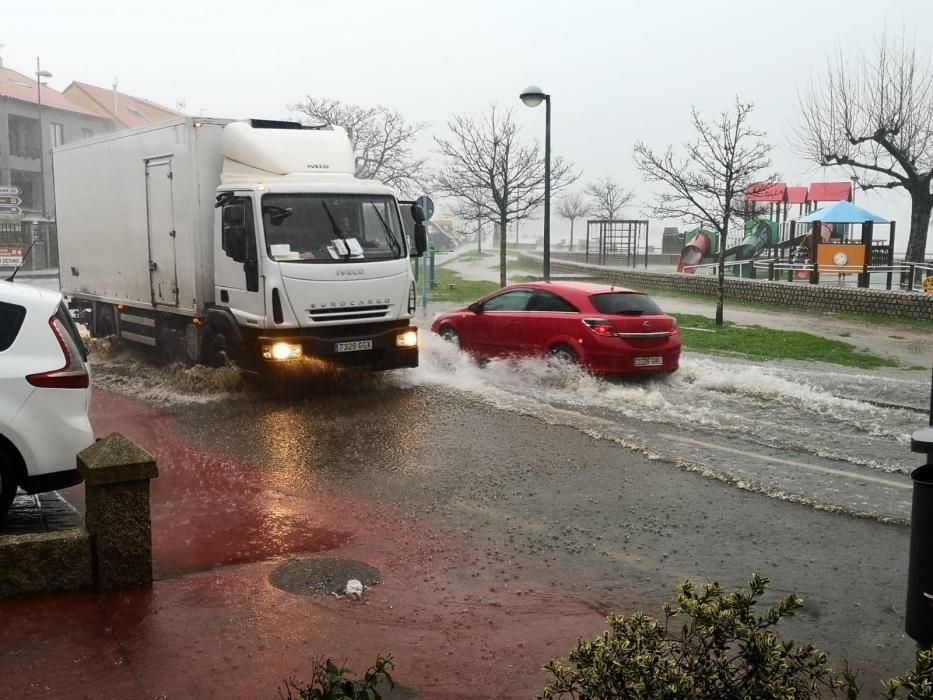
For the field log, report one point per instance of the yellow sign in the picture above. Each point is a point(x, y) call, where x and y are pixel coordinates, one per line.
point(928, 285)
point(841, 257)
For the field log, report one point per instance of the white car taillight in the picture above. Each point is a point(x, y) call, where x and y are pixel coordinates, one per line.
point(73, 375)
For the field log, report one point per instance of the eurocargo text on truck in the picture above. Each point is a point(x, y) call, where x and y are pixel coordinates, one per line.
point(242, 242)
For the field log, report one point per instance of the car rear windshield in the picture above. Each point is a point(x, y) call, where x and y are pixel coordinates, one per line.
point(65, 318)
point(11, 320)
point(624, 304)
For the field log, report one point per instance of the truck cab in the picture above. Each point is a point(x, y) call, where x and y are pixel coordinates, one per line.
point(309, 261)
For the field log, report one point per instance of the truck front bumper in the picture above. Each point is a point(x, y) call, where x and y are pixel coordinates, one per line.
point(381, 350)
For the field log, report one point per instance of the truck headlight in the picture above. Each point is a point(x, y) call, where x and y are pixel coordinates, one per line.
point(281, 352)
point(408, 339)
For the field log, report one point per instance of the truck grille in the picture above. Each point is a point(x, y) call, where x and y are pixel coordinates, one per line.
point(343, 314)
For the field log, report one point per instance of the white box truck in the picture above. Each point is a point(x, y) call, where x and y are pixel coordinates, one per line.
point(242, 242)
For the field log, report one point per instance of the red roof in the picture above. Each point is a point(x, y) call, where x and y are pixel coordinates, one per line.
point(830, 192)
point(131, 111)
point(766, 192)
point(16, 86)
point(796, 195)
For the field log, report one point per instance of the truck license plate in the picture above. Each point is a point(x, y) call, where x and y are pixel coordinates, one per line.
point(649, 361)
point(353, 346)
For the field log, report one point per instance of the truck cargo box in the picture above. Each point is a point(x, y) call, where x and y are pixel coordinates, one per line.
point(135, 215)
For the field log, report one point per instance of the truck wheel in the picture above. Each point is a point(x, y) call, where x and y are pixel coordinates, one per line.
point(8, 483)
point(218, 349)
point(105, 322)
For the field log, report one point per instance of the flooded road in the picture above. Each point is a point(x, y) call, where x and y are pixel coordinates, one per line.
point(611, 491)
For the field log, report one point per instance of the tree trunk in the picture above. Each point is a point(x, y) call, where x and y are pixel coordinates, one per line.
point(479, 239)
point(721, 271)
point(571, 235)
point(921, 204)
point(503, 278)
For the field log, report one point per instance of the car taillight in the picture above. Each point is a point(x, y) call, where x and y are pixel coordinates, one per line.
point(599, 326)
point(73, 375)
point(673, 326)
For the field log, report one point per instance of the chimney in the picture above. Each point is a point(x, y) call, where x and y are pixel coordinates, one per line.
point(115, 81)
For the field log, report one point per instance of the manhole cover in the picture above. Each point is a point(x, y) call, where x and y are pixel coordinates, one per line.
point(322, 576)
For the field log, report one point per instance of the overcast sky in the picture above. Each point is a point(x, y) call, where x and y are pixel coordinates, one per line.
point(617, 71)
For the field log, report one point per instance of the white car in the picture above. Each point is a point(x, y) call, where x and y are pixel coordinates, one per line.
point(44, 393)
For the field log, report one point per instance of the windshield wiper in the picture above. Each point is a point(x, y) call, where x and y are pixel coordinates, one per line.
point(333, 224)
point(396, 245)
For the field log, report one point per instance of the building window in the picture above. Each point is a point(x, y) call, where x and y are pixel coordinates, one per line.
point(24, 137)
point(58, 133)
point(87, 133)
point(28, 184)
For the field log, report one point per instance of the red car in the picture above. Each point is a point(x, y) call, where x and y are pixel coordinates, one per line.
point(607, 330)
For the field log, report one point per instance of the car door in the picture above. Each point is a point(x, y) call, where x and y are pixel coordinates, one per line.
point(14, 389)
point(550, 318)
point(499, 328)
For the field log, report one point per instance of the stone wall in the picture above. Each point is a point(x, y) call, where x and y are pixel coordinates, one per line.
point(800, 295)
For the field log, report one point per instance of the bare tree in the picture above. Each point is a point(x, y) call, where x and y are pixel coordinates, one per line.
point(707, 184)
point(381, 139)
point(572, 207)
point(874, 116)
point(608, 197)
point(486, 166)
point(476, 215)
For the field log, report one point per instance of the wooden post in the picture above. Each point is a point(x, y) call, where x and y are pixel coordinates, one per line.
point(815, 229)
point(864, 279)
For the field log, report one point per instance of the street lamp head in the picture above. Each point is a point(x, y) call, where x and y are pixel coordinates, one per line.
point(532, 96)
point(43, 74)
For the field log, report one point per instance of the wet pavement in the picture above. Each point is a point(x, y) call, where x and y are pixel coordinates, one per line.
point(44, 512)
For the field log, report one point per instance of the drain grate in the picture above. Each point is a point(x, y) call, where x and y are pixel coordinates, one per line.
point(322, 577)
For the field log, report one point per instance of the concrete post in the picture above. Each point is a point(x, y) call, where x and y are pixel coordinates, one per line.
point(116, 474)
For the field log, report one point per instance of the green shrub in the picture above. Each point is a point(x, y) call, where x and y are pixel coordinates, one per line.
point(712, 644)
point(331, 682)
point(916, 684)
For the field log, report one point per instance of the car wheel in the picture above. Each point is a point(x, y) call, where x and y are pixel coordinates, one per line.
point(7, 483)
point(563, 356)
point(449, 335)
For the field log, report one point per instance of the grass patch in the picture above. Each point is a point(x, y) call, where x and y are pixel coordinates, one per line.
point(474, 255)
point(463, 290)
point(700, 334)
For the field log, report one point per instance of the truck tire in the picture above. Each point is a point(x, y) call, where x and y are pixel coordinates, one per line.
point(105, 321)
point(219, 352)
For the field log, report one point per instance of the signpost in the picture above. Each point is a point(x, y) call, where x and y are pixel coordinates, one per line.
point(10, 204)
point(11, 256)
point(427, 205)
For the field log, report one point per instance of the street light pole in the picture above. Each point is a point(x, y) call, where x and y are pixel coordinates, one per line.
point(40, 74)
point(532, 96)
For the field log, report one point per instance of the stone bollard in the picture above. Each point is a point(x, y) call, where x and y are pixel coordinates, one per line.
point(116, 475)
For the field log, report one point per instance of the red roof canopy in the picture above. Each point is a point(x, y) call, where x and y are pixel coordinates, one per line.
point(796, 195)
point(830, 192)
point(766, 192)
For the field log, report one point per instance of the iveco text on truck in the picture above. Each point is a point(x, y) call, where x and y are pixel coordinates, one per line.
point(231, 241)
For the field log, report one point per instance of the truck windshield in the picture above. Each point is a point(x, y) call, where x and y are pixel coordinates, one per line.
point(315, 228)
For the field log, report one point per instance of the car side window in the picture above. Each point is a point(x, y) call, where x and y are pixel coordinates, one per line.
point(516, 300)
point(11, 320)
point(548, 301)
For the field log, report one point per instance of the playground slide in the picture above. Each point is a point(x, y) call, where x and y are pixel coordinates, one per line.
point(693, 252)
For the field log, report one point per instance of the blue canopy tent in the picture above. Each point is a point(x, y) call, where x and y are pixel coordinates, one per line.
point(843, 212)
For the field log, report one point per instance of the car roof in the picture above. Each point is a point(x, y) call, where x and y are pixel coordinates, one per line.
point(573, 290)
point(26, 295)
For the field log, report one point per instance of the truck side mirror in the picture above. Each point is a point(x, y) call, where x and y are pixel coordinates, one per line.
point(234, 215)
point(421, 237)
point(417, 213)
point(234, 242)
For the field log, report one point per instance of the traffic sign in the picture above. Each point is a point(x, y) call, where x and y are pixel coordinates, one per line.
point(12, 191)
point(9, 209)
point(426, 204)
point(9, 200)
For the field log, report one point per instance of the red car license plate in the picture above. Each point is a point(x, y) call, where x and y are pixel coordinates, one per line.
point(649, 361)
